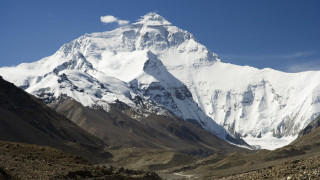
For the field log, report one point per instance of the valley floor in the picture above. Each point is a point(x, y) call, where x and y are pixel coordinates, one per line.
point(24, 161)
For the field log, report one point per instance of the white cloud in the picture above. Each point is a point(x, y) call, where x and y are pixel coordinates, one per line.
point(108, 19)
point(111, 19)
point(123, 22)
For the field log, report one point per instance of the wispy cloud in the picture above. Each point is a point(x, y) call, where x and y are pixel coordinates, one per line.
point(313, 65)
point(270, 56)
point(111, 19)
point(292, 62)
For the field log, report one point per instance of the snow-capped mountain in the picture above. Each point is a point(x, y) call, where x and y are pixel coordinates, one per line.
point(155, 67)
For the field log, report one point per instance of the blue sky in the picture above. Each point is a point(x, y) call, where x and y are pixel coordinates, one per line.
point(278, 34)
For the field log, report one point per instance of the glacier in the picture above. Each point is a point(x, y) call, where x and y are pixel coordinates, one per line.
point(156, 67)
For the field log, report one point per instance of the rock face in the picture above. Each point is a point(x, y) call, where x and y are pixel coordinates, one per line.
point(310, 127)
point(155, 67)
point(309, 136)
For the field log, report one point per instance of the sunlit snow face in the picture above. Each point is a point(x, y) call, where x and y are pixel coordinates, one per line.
point(124, 65)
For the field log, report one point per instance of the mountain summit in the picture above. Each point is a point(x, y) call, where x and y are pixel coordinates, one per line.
point(154, 67)
point(153, 19)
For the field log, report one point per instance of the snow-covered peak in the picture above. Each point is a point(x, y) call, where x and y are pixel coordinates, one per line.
point(164, 66)
point(152, 18)
point(77, 62)
point(122, 51)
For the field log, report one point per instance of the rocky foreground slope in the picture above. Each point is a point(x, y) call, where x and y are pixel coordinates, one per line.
point(24, 161)
point(26, 119)
point(300, 160)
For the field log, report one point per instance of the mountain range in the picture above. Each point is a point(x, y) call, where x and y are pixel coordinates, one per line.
point(174, 148)
point(153, 68)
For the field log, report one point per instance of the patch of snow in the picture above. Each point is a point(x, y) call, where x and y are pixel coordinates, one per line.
point(187, 176)
point(268, 141)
